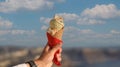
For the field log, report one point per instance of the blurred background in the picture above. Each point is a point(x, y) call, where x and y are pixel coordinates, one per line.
point(91, 37)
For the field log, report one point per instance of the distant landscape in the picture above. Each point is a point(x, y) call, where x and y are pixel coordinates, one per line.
point(72, 57)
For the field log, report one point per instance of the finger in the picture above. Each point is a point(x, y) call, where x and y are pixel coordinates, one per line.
point(55, 48)
point(60, 50)
point(47, 47)
point(59, 57)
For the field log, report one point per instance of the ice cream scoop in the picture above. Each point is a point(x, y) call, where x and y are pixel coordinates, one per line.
point(55, 24)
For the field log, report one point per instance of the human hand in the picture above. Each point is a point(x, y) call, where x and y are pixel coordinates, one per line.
point(46, 58)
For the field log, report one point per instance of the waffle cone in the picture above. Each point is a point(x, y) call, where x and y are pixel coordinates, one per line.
point(59, 34)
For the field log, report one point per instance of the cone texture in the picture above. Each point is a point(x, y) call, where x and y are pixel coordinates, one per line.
point(59, 34)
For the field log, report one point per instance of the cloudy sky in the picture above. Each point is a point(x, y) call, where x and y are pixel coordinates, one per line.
point(88, 23)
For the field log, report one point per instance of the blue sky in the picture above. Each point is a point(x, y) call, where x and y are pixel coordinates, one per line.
point(88, 23)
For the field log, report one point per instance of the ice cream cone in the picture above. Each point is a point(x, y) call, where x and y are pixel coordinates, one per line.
point(59, 34)
point(54, 35)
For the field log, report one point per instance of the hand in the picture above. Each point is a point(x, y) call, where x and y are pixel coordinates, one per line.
point(46, 58)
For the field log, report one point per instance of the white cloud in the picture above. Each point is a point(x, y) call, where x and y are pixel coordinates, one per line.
point(86, 34)
point(21, 32)
point(69, 16)
point(76, 35)
point(44, 27)
point(102, 11)
point(115, 32)
point(61, 1)
point(5, 23)
point(75, 31)
point(86, 31)
point(13, 5)
point(4, 32)
point(5, 28)
point(71, 31)
point(89, 21)
point(45, 20)
point(17, 32)
point(102, 35)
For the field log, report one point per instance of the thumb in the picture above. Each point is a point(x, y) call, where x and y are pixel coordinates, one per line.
point(55, 48)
